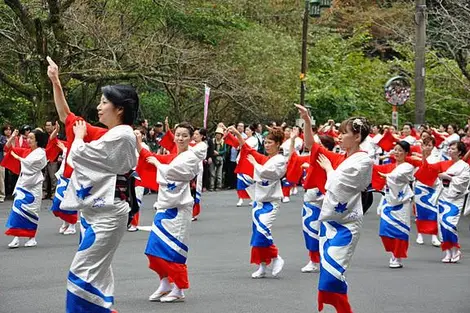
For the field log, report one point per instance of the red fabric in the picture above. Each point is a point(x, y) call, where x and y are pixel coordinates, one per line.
point(416, 149)
point(286, 191)
point(438, 137)
point(244, 166)
point(10, 162)
point(398, 247)
point(148, 172)
point(314, 256)
point(18, 232)
point(135, 219)
point(24, 143)
point(242, 194)
point(428, 173)
point(316, 175)
point(415, 163)
point(92, 133)
point(168, 142)
point(52, 150)
point(378, 182)
point(263, 254)
point(69, 218)
point(426, 227)
point(176, 272)
point(231, 140)
point(414, 133)
point(196, 210)
point(338, 300)
point(447, 245)
point(387, 142)
point(294, 167)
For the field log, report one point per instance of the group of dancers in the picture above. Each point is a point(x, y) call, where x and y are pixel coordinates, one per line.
point(105, 171)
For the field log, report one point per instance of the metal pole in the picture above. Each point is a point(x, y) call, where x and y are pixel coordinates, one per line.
point(420, 61)
point(303, 69)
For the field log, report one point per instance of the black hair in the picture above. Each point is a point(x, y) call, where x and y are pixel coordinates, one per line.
point(123, 96)
point(41, 137)
point(454, 127)
point(327, 141)
point(409, 124)
point(358, 125)
point(253, 127)
point(24, 129)
point(203, 133)
point(461, 147)
point(5, 127)
point(404, 145)
point(186, 125)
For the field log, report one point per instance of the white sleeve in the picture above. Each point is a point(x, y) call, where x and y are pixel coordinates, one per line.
point(113, 153)
point(183, 168)
point(33, 163)
point(274, 169)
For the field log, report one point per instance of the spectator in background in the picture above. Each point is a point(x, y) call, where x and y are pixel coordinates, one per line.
point(466, 138)
point(6, 133)
point(216, 168)
point(145, 124)
point(50, 180)
point(208, 160)
point(232, 160)
point(22, 140)
point(159, 133)
point(152, 140)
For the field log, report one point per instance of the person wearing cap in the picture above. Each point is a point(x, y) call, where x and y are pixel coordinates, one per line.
point(217, 166)
point(159, 132)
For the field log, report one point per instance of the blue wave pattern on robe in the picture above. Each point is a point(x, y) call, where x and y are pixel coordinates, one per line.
point(243, 181)
point(447, 225)
point(331, 272)
point(310, 225)
point(390, 226)
point(19, 217)
point(162, 241)
point(425, 210)
point(261, 235)
point(62, 184)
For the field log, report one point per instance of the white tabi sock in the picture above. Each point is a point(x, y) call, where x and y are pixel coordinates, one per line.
point(164, 285)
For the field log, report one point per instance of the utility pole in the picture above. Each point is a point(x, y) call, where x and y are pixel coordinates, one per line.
point(420, 61)
point(303, 69)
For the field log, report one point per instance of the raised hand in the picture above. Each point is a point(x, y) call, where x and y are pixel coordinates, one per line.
point(325, 163)
point(303, 112)
point(152, 160)
point(294, 133)
point(55, 131)
point(53, 71)
point(79, 129)
point(61, 145)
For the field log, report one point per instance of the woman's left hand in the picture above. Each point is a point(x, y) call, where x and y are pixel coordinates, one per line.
point(382, 175)
point(16, 156)
point(79, 129)
point(153, 160)
point(325, 163)
point(251, 159)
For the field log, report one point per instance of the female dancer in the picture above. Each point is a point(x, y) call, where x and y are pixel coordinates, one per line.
point(200, 135)
point(426, 209)
point(167, 248)
point(244, 181)
point(99, 189)
point(268, 171)
point(454, 178)
point(341, 213)
point(395, 207)
point(24, 215)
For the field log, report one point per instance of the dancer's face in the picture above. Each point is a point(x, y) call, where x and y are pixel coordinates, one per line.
point(182, 138)
point(108, 114)
point(197, 136)
point(399, 153)
point(454, 152)
point(31, 139)
point(271, 147)
point(348, 139)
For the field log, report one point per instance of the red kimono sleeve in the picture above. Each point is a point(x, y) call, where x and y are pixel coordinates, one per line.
point(438, 137)
point(294, 167)
point(231, 140)
point(92, 133)
point(168, 142)
point(244, 166)
point(148, 172)
point(10, 162)
point(52, 150)
point(387, 142)
point(316, 175)
point(428, 173)
point(378, 182)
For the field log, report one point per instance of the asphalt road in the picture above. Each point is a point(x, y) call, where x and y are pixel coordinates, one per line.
point(34, 279)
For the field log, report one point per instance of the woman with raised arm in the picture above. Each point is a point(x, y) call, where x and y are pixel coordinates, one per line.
point(267, 172)
point(452, 188)
point(99, 189)
point(395, 206)
point(342, 178)
point(24, 215)
point(167, 246)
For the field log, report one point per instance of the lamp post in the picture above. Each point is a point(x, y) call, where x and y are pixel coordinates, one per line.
point(312, 9)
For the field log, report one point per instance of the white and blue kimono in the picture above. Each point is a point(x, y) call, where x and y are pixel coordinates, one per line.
point(451, 202)
point(267, 194)
point(103, 215)
point(24, 215)
point(168, 239)
point(395, 209)
point(341, 222)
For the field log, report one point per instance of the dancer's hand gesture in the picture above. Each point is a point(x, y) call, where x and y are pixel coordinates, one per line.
point(79, 129)
point(53, 71)
point(303, 112)
point(325, 163)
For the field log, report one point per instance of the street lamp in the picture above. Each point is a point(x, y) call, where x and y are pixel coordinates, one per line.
point(313, 9)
